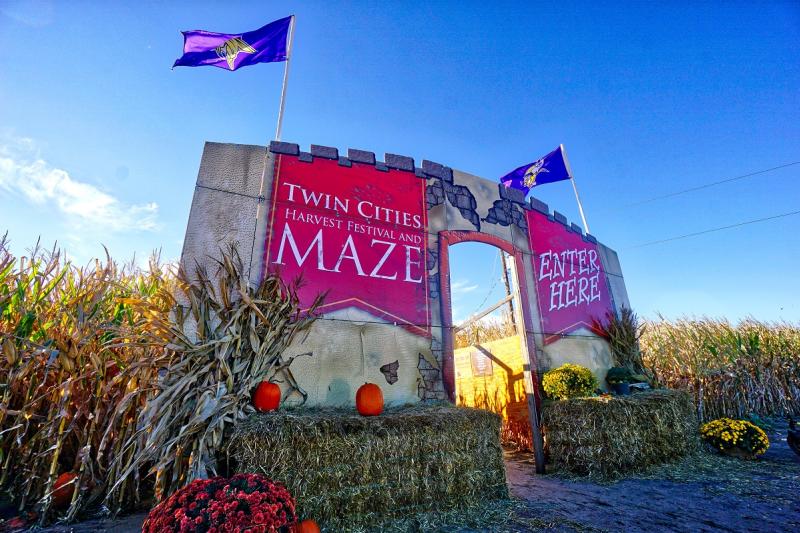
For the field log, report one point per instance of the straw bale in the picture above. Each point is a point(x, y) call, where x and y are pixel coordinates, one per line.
point(607, 437)
point(350, 471)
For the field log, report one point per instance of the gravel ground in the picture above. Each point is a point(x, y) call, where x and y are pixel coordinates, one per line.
point(702, 493)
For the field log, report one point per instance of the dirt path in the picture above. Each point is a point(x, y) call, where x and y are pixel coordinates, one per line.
point(704, 494)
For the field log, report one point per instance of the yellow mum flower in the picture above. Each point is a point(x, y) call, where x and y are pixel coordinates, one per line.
point(727, 434)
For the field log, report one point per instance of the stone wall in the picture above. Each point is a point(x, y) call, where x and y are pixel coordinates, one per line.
point(231, 205)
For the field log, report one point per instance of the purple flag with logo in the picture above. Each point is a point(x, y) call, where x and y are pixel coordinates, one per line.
point(549, 169)
point(231, 51)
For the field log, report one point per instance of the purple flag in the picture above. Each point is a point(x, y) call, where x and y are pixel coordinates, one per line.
point(231, 51)
point(549, 169)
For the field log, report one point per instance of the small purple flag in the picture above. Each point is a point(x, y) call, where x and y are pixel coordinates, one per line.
point(231, 51)
point(549, 169)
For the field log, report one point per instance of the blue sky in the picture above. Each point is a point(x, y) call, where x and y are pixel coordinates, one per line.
point(100, 141)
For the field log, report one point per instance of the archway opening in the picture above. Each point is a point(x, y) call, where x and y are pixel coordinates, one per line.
point(488, 335)
point(481, 294)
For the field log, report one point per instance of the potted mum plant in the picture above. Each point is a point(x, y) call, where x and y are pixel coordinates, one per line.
point(619, 378)
point(568, 381)
point(736, 438)
point(244, 502)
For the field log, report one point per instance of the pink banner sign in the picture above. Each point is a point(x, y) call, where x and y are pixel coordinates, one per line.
point(356, 232)
point(571, 284)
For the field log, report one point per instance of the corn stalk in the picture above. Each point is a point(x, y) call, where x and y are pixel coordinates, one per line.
point(59, 377)
point(222, 340)
point(113, 372)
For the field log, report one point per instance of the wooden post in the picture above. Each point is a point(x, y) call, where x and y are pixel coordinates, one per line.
point(530, 386)
point(508, 288)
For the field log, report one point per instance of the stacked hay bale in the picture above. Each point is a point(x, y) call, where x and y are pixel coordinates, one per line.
point(607, 437)
point(346, 470)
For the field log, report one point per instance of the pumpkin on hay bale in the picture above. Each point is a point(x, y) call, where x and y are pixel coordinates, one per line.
point(369, 400)
point(267, 396)
point(346, 470)
point(607, 437)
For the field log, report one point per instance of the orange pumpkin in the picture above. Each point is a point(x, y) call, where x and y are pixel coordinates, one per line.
point(306, 526)
point(369, 400)
point(267, 396)
point(62, 489)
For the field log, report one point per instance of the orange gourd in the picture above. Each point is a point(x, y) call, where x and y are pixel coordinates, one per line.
point(369, 400)
point(267, 396)
point(306, 526)
point(62, 489)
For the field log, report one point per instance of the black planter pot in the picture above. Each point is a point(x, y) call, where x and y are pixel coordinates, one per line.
point(621, 389)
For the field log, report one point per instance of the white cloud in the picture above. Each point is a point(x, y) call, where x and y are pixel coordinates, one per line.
point(24, 172)
point(462, 286)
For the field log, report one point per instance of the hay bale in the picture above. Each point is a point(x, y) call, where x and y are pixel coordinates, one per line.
point(347, 470)
point(607, 437)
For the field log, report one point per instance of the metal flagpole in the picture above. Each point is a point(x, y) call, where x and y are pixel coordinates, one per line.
point(574, 188)
point(285, 79)
point(260, 206)
point(580, 206)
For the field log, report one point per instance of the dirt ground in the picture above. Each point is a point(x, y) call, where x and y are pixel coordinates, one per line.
point(702, 493)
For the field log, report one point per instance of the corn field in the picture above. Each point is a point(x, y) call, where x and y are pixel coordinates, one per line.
point(128, 378)
point(730, 370)
point(131, 379)
point(485, 331)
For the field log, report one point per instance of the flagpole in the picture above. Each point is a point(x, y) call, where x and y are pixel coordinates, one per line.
point(285, 79)
point(580, 206)
point(277, 138)
point(574, 188)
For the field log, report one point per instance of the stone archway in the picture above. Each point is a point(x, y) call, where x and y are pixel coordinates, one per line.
point(451, 237)
point(374, 236)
